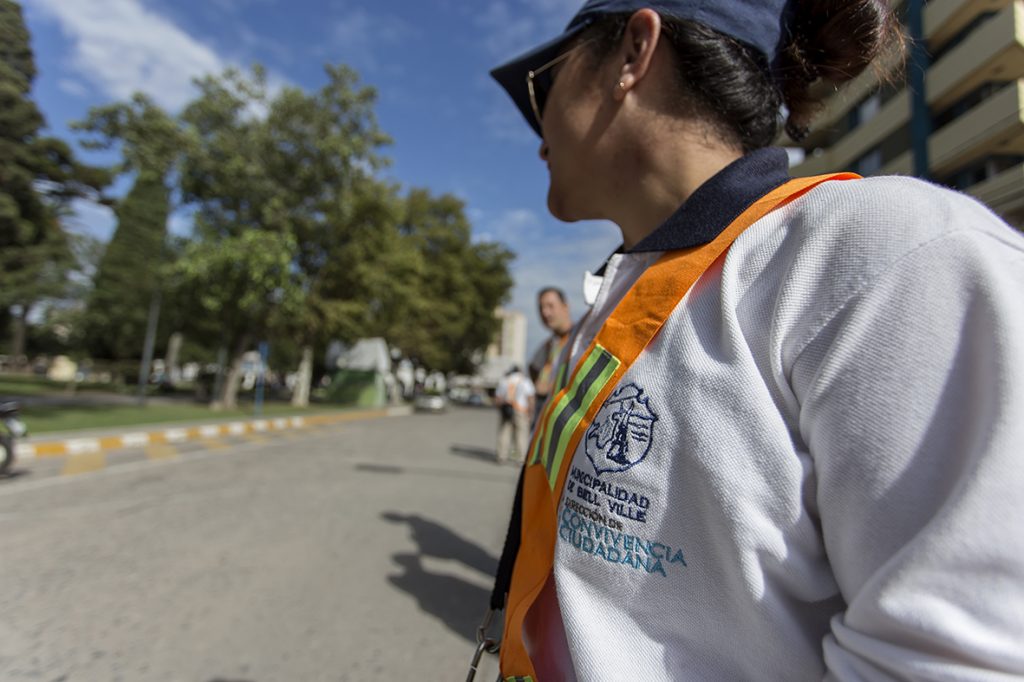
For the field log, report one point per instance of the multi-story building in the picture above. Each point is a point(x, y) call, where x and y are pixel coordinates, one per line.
point(508, 348)
point(963, 126)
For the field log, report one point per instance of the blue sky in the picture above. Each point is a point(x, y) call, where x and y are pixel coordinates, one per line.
point(454, 129)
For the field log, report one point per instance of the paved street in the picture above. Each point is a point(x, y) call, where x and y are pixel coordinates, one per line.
point(360, 552)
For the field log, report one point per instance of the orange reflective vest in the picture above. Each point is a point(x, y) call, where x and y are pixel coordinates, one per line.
point(628, 330)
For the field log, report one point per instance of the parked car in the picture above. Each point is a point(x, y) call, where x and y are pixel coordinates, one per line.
point(430, 402)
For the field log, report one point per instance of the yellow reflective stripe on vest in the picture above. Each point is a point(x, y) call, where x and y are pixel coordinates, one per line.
point(563, 376)
point(560, 422)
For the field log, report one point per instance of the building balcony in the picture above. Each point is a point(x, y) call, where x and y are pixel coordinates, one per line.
point(992, 52)
point(1003, 193)
point(837, 106)
point(996, 126)
point(944, 19)
point(892, 115)
point(901, 165)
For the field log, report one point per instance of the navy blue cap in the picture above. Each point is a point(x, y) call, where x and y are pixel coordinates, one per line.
point(758, 23)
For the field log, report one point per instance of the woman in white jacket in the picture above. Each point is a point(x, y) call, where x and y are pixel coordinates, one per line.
point(788, 442)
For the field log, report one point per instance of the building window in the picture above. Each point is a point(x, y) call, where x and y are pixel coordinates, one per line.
point(981, 170)
point(870, 163)
point(968, 102)
point(961, 36)
point(897, 142)
point(864, 111)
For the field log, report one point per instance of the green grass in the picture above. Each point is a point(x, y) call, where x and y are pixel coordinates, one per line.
point(44, 419)
point(15, 386)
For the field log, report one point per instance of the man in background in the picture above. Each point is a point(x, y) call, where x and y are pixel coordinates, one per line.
point(554, 313)
point(515, 400)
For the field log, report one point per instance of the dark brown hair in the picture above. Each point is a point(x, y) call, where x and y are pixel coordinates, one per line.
point(733, 88)
point(552, 290)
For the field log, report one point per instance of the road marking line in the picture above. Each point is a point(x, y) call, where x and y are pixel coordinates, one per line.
point(209, 431)
point(43, 450)
point(135, 440)
point(159, 451)
point(83, 463)
point(81, 446)
point(211, 444)
point(175, 435)
point(51, 449)
point(118, 469)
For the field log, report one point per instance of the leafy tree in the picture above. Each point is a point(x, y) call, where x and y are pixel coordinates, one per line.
point(127, 277)
point(39, 176)
point(368, 261)
point(447, 317)
point(243, 282)
point(297, 163)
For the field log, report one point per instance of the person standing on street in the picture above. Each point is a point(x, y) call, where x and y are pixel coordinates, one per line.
point(515, 400)
point(554, 314)
point(790, 442)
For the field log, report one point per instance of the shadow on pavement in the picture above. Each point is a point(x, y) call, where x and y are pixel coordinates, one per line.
point(369, 468)
point(471, 452)
point(379, 468)
point(456, 602)
point(16, 473)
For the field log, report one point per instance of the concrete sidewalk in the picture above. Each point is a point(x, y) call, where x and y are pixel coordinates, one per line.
point(101, 440)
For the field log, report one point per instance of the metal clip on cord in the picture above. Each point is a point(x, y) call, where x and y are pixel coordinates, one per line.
point(483, 644)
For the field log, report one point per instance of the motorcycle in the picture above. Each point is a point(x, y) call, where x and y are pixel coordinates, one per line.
point(13, 428)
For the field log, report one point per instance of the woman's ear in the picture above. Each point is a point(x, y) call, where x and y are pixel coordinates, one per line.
point(639, 42)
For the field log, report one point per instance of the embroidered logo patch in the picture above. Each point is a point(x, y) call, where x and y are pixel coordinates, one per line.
point(622, 431)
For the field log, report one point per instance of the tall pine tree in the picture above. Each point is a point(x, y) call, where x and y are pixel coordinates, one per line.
point(38, 177)
point(129, 272)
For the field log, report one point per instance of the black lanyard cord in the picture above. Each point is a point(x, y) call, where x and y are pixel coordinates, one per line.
point(503, 577)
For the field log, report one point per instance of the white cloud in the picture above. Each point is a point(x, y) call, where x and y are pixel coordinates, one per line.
point(92, 219)
point(70, 86)
point(263, 46)
point(509, 28)
point(122, 47)
point(513, 26)
point(363, 38)
point(236, 7)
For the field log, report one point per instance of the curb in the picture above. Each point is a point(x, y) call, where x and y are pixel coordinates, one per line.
point(80, 446)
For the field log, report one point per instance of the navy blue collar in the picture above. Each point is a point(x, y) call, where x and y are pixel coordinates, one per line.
point(719, 201)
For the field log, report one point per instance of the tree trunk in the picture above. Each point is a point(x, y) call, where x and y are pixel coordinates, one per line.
point(231, 383)
point(300, 396)
point(171, 361)
point(19, 336)
point(228, 400)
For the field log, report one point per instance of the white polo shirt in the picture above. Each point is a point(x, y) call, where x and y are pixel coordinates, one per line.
point(826, 472)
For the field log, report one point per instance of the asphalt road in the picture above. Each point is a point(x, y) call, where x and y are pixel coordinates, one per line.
point(358, 552)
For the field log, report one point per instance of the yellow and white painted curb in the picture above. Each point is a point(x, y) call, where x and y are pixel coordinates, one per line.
point(206, 432)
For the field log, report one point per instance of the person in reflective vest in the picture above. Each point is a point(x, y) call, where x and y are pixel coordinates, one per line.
point(787, 442)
